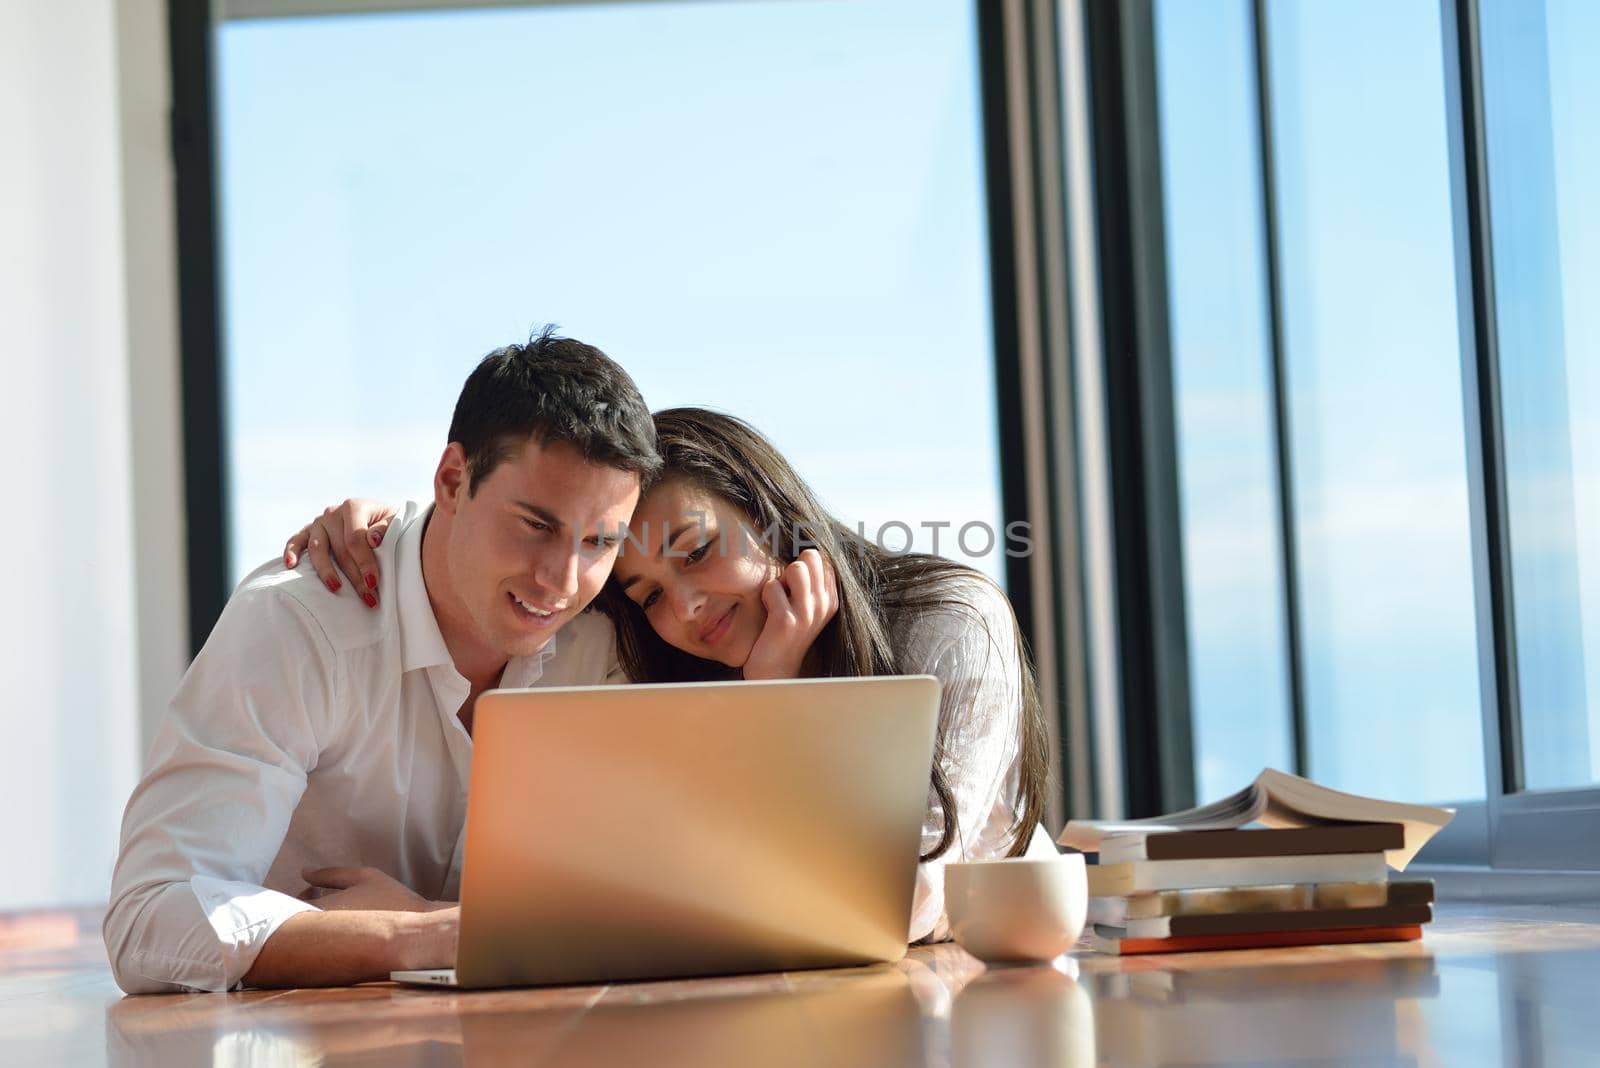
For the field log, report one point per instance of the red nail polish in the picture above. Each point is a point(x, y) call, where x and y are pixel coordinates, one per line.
point(333, 585)
point(372, 602)
point(375, 538)
point(372, 582)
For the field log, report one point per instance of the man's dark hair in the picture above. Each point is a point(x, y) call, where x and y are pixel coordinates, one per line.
point(553, 389)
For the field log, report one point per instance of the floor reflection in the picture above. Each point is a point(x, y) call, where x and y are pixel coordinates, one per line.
point(936, 1008)
point(867, 1019)
point(864, 1017)
point(1513, 986)
point(1334, 1011)
point(234, 1031)
point(939, 1008)
point(1010, 1017)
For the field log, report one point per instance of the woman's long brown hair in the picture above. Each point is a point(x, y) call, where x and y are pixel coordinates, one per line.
point(726, 456)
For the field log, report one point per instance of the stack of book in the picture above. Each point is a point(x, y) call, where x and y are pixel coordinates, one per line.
point(1315, 872)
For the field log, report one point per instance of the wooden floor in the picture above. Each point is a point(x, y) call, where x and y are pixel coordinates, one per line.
point(1488, 985)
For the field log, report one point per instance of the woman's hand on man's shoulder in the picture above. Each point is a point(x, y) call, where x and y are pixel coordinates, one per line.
point(347, 535)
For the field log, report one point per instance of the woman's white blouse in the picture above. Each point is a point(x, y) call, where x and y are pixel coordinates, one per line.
point(971, 648)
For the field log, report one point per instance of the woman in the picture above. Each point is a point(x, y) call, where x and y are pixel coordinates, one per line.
point(732, 568)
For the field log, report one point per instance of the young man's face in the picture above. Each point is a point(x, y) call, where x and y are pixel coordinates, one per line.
point(530, 548)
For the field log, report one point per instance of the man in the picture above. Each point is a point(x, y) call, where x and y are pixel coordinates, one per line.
point(302, 819)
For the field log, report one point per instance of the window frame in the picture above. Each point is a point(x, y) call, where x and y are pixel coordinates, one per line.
point(1525, 829)
point(1510, 828)
point(1023, 173)
point(1139, 409)
point(205, 461)
point(1080, 331)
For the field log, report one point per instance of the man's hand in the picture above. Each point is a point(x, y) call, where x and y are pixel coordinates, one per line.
point(367, 889)
point(355, 946)
point(799, 603)
point(370, 925)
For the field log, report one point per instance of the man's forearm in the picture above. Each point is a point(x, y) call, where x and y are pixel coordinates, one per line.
point(337, 948)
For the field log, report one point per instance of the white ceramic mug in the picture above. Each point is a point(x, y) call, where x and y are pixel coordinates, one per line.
point(1018, 908)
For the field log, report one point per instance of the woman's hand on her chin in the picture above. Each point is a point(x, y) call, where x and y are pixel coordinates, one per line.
point(799, 603)
point(347, 534)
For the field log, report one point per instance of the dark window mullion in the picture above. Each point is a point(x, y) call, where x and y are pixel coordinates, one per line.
point(1140, 417)
point(1071, 726)
point(1287, 530)
point(1486, 472)
point(205, 457)
point(1021, 122)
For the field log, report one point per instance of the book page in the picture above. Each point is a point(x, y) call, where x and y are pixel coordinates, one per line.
point(1276, 799)
point(1295, 802)
point(1235, 810)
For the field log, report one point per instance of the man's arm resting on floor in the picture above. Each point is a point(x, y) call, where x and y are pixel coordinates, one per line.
point(341, 947)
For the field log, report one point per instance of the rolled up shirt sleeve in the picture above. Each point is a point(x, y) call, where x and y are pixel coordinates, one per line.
point(228, 767)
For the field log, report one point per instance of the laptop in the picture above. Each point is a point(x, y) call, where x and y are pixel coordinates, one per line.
point(687, 829)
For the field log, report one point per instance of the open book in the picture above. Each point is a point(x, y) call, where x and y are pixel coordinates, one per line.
point(1276, 799)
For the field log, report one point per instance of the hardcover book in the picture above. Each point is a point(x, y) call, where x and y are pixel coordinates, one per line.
point(1277, 800)
point(1110, 880)
point(1268, 939)
point(1283, 842)
point(1259, 922)
point(1114, 911)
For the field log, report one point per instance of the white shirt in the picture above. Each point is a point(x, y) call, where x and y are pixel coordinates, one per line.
point(311, 731)
point(971, 648)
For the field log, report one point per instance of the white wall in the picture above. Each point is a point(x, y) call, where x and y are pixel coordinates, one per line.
point(150, 275)
point(87, 425)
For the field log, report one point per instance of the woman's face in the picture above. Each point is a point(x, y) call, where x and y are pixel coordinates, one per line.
point(694, 566)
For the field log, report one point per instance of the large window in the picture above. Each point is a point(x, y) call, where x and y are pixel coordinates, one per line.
point(1374, 458)
point(1541, 93)
point(771, 208)
point(1223, 393)
point(1300, 291)
point(1376, 264)
point(1373, 357)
